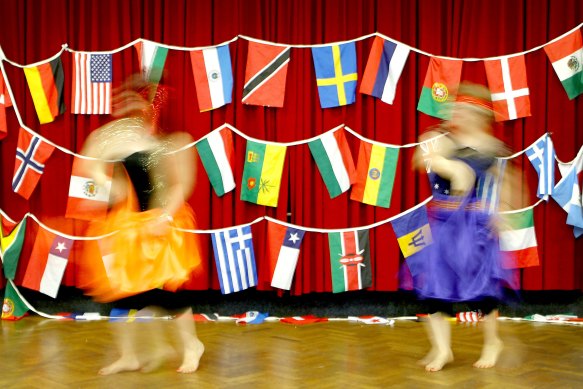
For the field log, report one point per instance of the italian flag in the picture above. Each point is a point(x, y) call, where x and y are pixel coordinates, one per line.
point(441, 82)
point(262, 173)
point(566, 54)
point(518, 240)
point(375, 174)
point(217, 153)
point(334, 161)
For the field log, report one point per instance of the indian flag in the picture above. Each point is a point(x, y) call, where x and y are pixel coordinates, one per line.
point(441, 83)
point(518, 239)
point(216, 153)
point(375, 174)
point(262, 173)
point(566, 54)
point(334, 161)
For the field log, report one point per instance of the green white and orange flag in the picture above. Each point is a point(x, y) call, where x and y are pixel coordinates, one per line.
point(262, 173)
point(46, 82)
point(518, 240)
point(566, 55)
point(440, 86)
point(375, 174)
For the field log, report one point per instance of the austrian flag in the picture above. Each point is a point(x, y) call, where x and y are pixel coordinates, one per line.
point(508, 86)
point(31, 154)
point(350, 260)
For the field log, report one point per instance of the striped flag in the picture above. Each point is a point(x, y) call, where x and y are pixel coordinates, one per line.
point(92, 78)
point(88, 200)
point(213, 76)
point(567, 193)
point(4, 103)
point(46, 82)
point(11, 247)
point(518, 239)
point(217, 155)
point(489, 185)
point(334, 161)
point(566, 55)
point(302, 320)
point(375, 174)
point(151, 57)
point(336, 74)
point(262, 173)
point(542, 156)
point(283, 245)
point(31, 155)
point(47, 264)
point(350, 260)
point(413, 231)
point(440, 85)
point(383, 69)
point(265, 74)
point(235, 259)
point(509, 88)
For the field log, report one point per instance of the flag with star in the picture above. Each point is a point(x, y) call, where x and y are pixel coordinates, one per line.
point(47, 264)
point(336, 74)
point(91, 86)
point(283, 244)
point(262, 173)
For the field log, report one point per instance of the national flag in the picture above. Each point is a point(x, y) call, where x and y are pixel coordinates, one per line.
point(428, 147)
point(350, 260)
point(283, 244)
point(251, 317)
point(302, 320)
point(213, 76)
point(4, 102)
point(31, 155)
point(371, 320)
point(151, 57)
point(121, 315)
point(375, 174)
point(489, 185)
point(567, 193)
point(566, 55)
point(11, 247)
point(88, 200)
point(235, 259)
point(202, 317)
point(334, 160)
point(47, 264)
point(470, 316)
point(46, 82)
point(217, 153)
point(440, 86)
point(262, 173)
point(518, 239)
point(92, 79)
point(14, 307)
point(383, 69)
point(336, 74)
point(413, 235)
point(265, 74)
point(542, 156)
point(508, 87)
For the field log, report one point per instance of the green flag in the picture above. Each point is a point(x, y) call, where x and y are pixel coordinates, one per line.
point(11, 246)
point(14, 307)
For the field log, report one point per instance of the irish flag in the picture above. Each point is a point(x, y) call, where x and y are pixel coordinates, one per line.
point(375, 174)
point(216, 153)
point(518, 239)
point(441, 83)
point(262, 173)
point(566, 54)
point(334, 161)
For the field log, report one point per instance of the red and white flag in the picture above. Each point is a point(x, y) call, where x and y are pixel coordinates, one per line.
point(31, 155)
point(4, 102)
point(88, 200)
point(509, 88)
point(301, 320)
point(92, 77)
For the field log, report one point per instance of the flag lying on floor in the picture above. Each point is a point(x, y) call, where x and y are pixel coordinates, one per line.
point(217, 155)
point(518, 239)
point(350, 260)
point(251, 317)
point(31, 155)
point(213, 76)
point(88, 200)
point(11, 246)
point(383, 69)
point(46, 82)
point(283, 244)
point(13, 307)
point(566, 55)
point(302, 320)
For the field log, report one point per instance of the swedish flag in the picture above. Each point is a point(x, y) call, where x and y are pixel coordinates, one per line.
point(413, 231)
point(336, 74)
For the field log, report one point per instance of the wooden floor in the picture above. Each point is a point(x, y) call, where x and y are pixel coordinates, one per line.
point(41, 353)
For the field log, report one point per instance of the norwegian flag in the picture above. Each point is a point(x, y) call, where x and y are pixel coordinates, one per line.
point(92, 75)
point(509, 88)
point(31, 154)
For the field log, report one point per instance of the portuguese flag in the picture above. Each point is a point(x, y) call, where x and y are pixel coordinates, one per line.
point(440, 85)
point(14, 307)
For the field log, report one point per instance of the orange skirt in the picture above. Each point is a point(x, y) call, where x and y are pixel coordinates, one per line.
point(140, 255)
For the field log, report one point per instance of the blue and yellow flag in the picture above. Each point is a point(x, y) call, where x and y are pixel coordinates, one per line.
point(413, 231)
point(336, 74)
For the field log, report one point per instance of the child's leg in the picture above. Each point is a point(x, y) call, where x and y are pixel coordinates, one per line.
point(128, 360)
point(192, 346)
point(492, 343)
point(441, 344)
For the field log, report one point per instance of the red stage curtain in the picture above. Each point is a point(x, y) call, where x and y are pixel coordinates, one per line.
point(32, 31)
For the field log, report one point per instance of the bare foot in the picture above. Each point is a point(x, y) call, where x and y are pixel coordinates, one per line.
point(490, 354)
point(192, 354)
point(122, 364)
point(440, 360)
point(428, 358)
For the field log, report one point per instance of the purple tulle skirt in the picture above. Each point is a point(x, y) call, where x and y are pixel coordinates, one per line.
point(464, 261)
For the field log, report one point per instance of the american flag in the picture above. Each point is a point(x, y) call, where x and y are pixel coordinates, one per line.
point(92, 74)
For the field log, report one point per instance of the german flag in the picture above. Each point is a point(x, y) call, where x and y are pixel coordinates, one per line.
point(46, 82)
